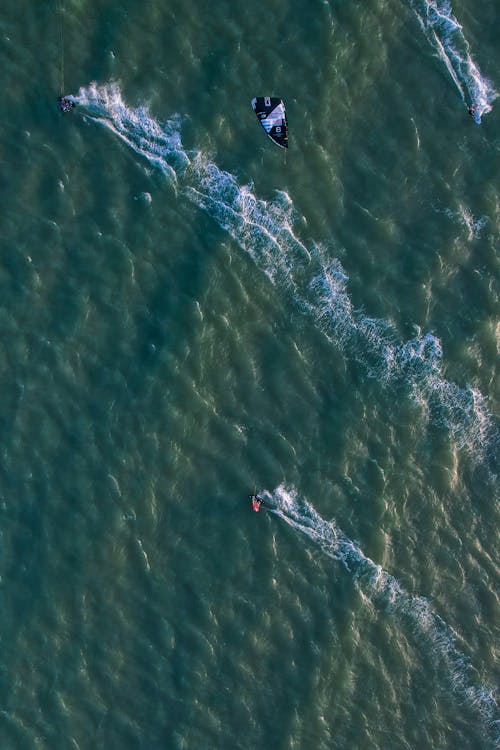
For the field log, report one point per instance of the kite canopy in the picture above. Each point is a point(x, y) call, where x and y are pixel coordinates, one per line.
point(271, 112)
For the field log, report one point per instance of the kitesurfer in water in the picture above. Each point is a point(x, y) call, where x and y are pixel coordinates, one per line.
point(256, 502)
point(65, 104)
point(472, 110)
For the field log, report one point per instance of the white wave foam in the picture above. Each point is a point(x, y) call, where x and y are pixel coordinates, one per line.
point(463, 216)
point(319, 286)
point(159, 143)
point(261, 228)
point(383, 590)
point(446, 36)
point(317, 283)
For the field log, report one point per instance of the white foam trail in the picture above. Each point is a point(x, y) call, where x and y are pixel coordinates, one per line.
point(446, 36)
point(382, 589)
point(159, 143)
point(317, 283)
point(264, 229)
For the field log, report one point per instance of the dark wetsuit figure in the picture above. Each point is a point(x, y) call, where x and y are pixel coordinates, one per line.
point(64, 104)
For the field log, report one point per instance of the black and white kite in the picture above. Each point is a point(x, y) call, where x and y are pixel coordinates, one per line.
point(271, 112)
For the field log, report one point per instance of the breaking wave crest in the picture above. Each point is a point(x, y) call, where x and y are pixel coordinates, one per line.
point(383, 590)
point(446, 36)
point(317, 283)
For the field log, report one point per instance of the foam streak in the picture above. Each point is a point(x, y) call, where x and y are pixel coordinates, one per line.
point(446, 36)
point(383, 590)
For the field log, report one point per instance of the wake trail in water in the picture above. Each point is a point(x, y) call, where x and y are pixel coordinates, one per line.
point(379, 588)
point(316, 282)
point(446, 36)
point(160, 144)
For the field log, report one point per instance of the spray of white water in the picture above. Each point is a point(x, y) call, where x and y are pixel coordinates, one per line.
point(446, 36)
point(316, 282)
point(384, 591)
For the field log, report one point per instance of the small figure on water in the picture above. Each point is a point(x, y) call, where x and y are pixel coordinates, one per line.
point(475, 112)
point(256, 502)
point(65, 104)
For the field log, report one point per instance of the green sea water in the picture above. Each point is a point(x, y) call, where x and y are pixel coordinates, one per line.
point(188, 317)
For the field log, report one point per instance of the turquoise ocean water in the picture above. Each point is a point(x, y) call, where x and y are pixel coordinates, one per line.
point(188, 317)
